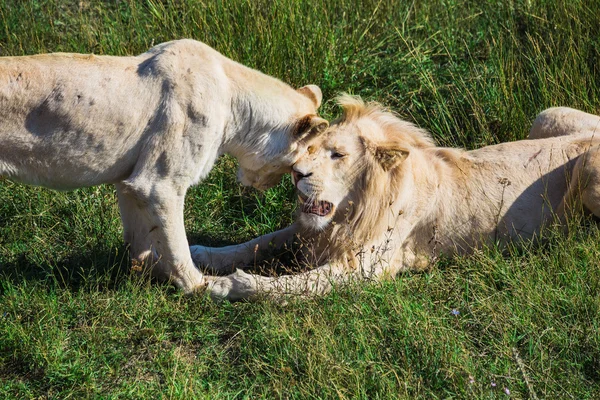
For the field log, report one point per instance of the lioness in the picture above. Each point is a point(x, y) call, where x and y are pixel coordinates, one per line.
point(153, 125)
point(378, 197)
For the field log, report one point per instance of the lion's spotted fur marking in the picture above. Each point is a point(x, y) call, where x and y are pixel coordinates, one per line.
point(153, 125)
point(415, 202)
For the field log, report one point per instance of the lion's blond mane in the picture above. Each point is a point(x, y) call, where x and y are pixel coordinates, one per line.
point(376, 188)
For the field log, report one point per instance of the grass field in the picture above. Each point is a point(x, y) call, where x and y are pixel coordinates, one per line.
point(74, 323)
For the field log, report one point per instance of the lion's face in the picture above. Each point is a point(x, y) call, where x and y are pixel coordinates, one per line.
point(326, 175)
point(266, 176)
point(262, 178)
point(276, 150)
point(349, 168)
point(263, 171)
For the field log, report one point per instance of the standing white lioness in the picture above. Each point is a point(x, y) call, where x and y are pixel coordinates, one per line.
point(378, 197)
point(153, 125)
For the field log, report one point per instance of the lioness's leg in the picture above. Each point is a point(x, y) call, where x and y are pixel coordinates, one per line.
point(561, 121)
point(135, 227)
point(228, 258)
point(153, 224)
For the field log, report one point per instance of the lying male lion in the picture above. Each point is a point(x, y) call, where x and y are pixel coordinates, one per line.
point(378, 197)
point(153, 125)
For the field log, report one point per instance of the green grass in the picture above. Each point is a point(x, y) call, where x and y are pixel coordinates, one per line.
point(75, 324)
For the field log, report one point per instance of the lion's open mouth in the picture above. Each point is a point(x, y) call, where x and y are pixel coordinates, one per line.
point(320, 208)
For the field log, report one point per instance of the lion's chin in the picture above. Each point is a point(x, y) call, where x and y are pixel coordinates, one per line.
point(314, 222)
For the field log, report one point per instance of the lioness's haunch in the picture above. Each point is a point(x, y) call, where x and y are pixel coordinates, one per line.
point(153, 125)
point(378, 197)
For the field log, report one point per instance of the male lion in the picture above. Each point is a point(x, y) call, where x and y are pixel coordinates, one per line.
point(153, 125)
point(560, 121)
point(378, 197)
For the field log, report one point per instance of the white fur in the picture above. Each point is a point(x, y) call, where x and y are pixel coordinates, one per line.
point(401, 201)
point(560, 121)
point(153, 125)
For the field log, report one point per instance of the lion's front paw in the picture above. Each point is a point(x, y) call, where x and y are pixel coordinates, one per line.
point(236, 286)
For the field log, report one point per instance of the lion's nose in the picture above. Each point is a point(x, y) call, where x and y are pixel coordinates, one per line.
point(297, 175)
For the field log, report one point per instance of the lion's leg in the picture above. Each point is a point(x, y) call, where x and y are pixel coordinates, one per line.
point(153, 225)
point(241, 285)
point(590, 180)
point(168, 237)
point(584, 188)
point(319, 281)
point(562, 121)
point(135, 225)
point(228, 258)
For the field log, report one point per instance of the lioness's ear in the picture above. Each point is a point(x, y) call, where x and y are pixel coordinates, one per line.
point(309, 126)
point(313, 93)
point(390, 156)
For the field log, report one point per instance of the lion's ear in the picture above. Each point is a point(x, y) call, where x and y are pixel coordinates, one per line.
point(310, 126)
point(313, 93)
point(390, 156)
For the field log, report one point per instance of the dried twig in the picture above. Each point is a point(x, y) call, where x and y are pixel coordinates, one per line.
point(521, 365)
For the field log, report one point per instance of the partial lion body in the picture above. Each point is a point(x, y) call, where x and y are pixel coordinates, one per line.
point(560, 121)
point(77, 114)
point(56, 107)
point(494, 195)
point(152, 124)
point(411, 202)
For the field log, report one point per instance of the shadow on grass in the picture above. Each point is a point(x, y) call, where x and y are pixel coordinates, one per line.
point(204, 239)
point(102, 268)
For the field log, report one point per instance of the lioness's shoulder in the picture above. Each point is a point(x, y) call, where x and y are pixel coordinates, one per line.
point(171, 58)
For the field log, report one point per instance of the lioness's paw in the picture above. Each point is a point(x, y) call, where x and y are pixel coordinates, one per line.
point(195, 288)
